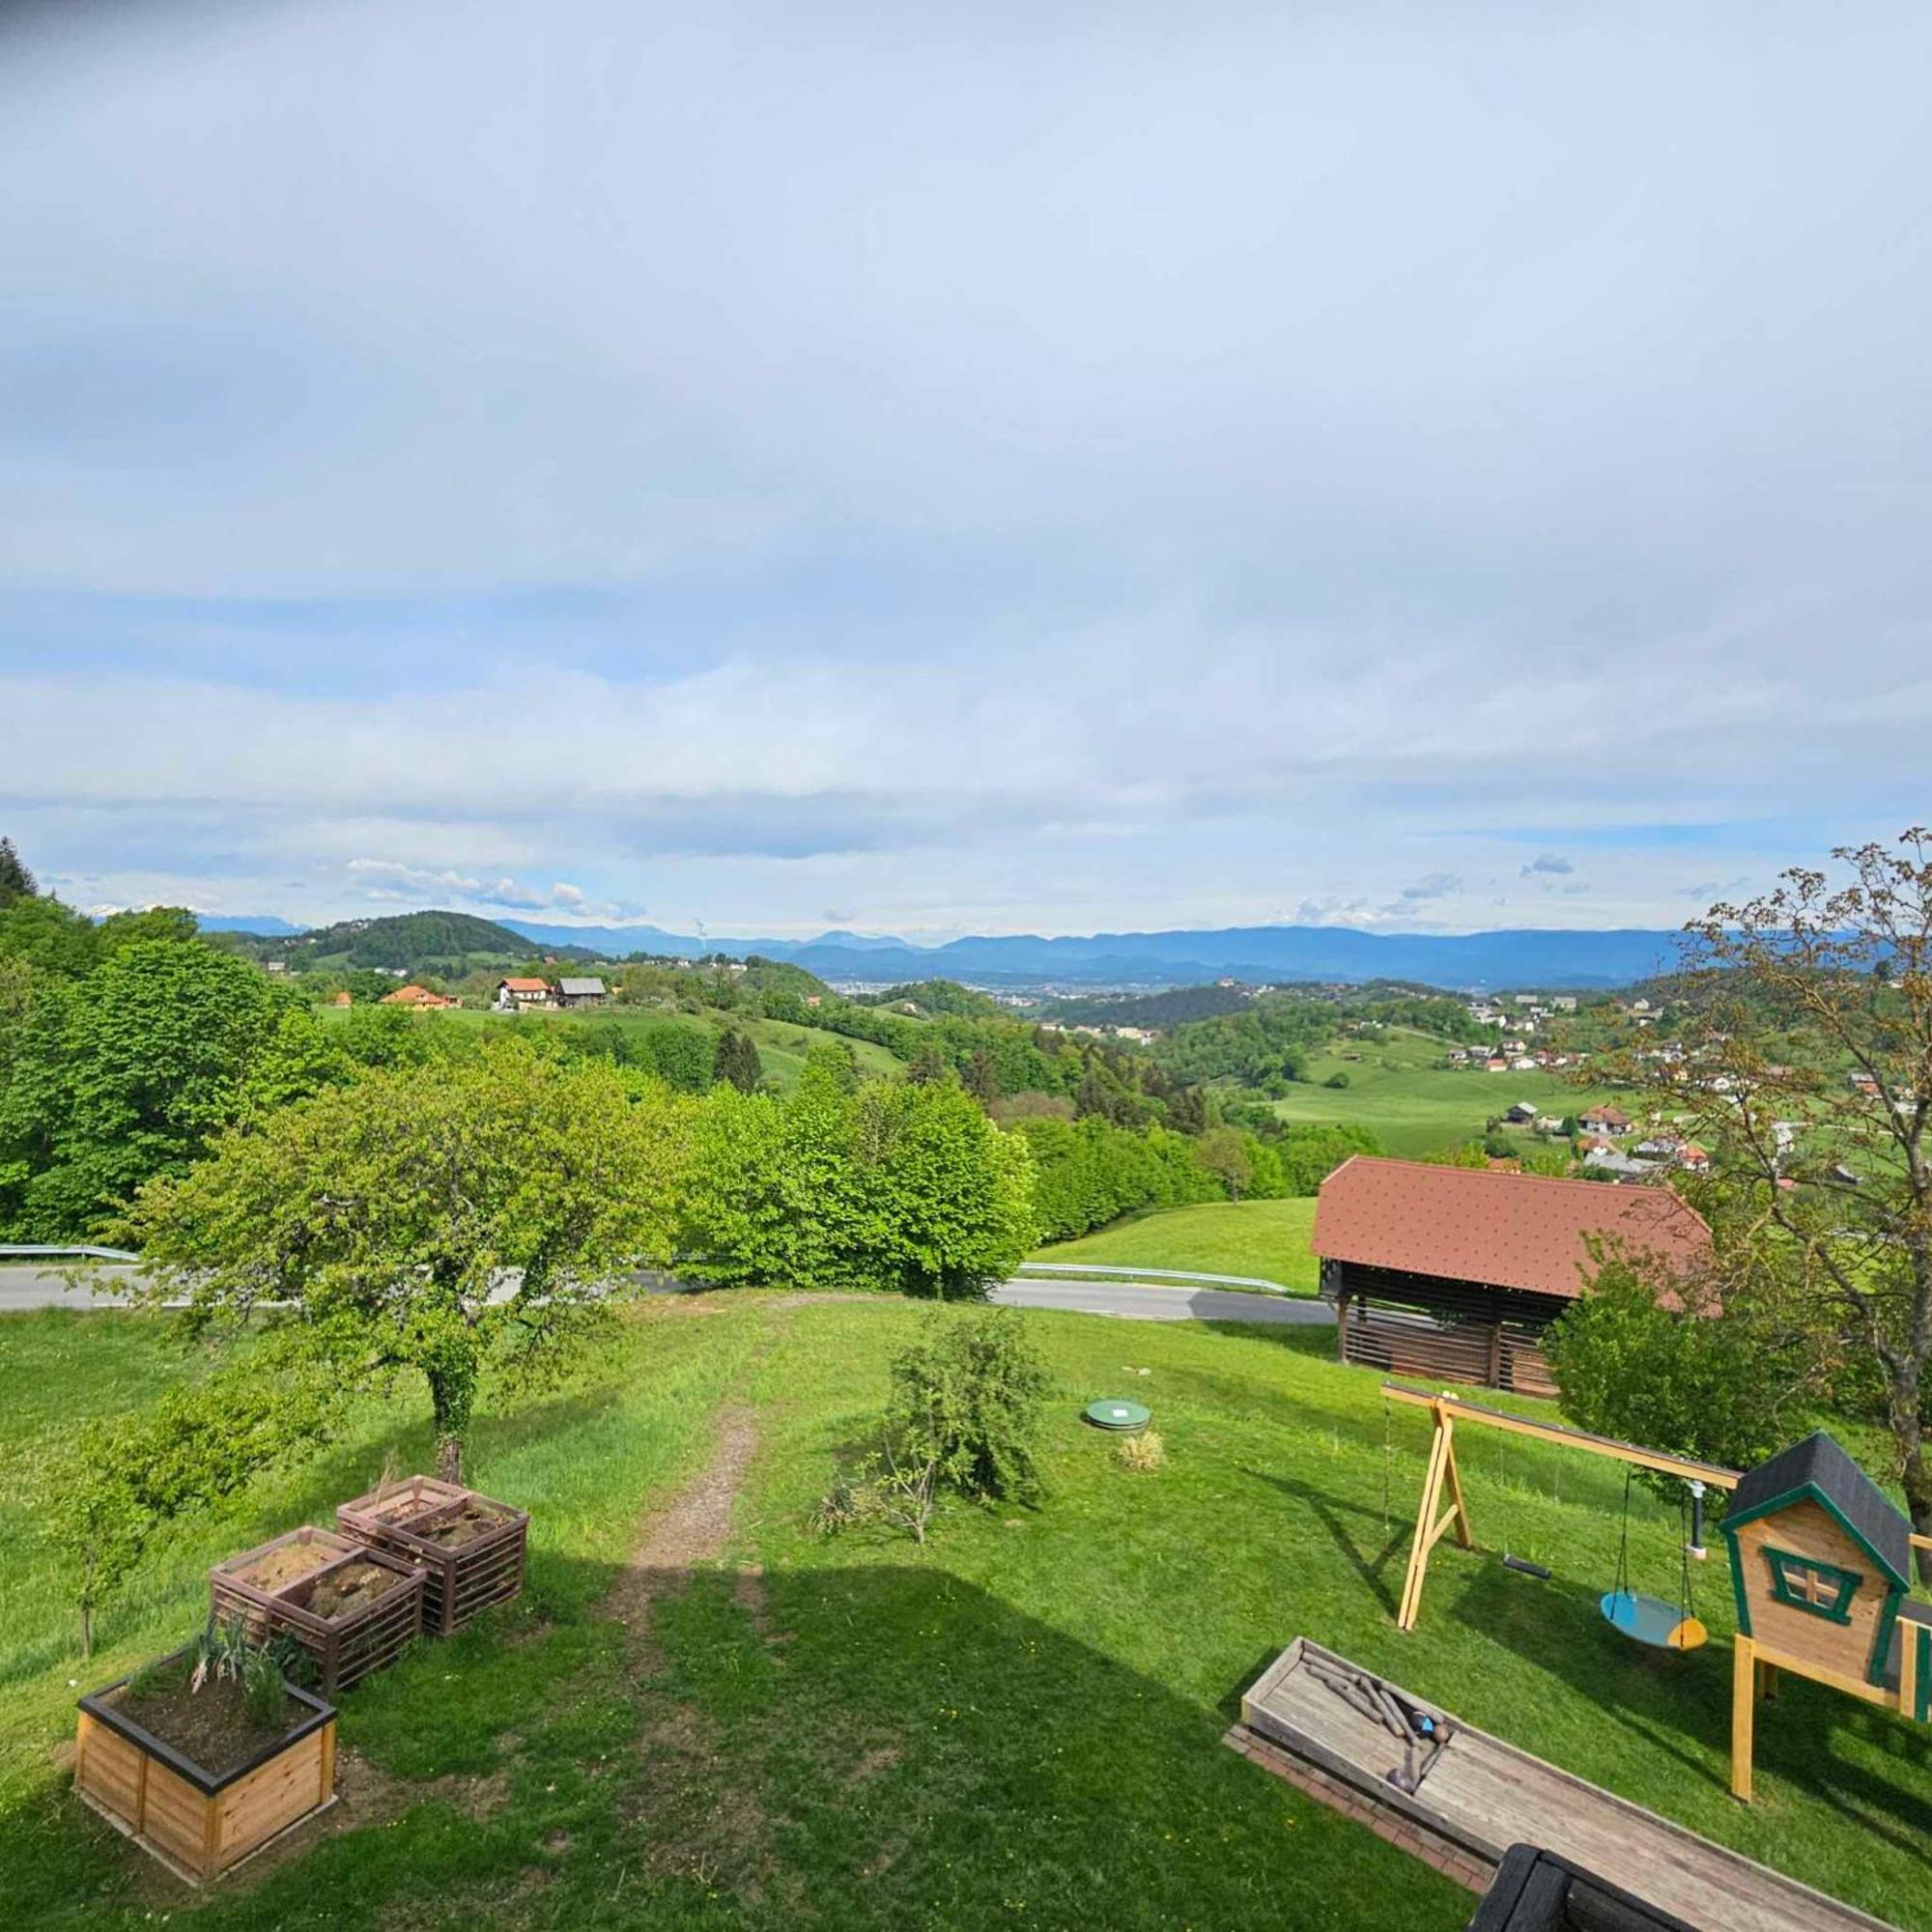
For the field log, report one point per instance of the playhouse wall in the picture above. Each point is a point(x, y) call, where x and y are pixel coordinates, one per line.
point(1804, 1529)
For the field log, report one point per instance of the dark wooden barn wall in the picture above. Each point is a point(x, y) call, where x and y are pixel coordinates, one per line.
point(1441, 1329)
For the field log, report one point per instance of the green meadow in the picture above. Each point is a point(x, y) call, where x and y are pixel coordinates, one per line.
point(1018, 1722)
point(1399, 1093)
point(781, 1047)
point(1264, 1238)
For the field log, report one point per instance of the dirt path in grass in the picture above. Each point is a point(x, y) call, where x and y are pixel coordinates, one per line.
point(693, 1528)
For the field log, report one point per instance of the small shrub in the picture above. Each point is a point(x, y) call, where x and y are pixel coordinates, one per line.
point(884, 1490)
point(966, 1399)
point(1338, 1079)
point(1143, 1453)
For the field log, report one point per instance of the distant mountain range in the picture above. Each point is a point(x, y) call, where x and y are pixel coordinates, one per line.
point(1528, 956)
point(265, 925)
point(1254, 954)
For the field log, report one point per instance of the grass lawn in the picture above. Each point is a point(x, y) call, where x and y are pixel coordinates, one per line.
point(1267, 1238)
point(1395, 1090)
point(1017, 1723)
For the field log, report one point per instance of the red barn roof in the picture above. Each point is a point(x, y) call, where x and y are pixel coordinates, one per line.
point(1520, 1231)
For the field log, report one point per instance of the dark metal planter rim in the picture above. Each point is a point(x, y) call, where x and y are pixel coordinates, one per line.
point(320, 1714)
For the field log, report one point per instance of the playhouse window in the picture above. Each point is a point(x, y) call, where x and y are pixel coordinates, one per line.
point(1820, 1589)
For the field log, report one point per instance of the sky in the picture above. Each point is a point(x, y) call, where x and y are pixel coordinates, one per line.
point(762, 467)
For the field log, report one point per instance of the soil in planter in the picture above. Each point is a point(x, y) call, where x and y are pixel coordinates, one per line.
point(285, 1565)
point(352, 1587)
point(212, 1727)
point(463, 1524)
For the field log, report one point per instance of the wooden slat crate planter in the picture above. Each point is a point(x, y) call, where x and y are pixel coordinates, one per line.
point(196, 1824)
point(346, 1646)
point(407, 1519)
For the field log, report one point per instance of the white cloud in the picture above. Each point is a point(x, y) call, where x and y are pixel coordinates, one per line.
point(1057, 477)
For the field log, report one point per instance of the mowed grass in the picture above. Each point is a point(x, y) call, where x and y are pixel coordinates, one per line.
point(1416, 1107)
point(1264, 1238)
point(1018, 1722)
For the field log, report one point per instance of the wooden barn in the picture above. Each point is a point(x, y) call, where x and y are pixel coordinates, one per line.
point(1453, 1273)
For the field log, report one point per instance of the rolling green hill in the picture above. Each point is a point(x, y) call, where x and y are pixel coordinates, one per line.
point(1396, 1089)
point(410, 941)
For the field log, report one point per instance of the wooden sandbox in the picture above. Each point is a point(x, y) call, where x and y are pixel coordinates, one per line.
point(353, 1609)
point(196, 1823)
point(468, 1546)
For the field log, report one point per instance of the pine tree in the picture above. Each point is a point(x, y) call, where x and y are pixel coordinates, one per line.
point(16, 881)
point(983, 1081)
point(738, 1060)
point(929, 1067)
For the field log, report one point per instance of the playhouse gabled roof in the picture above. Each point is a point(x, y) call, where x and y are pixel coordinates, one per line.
point(1819, 1468)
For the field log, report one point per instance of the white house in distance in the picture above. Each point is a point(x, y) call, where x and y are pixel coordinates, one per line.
point(517, 996)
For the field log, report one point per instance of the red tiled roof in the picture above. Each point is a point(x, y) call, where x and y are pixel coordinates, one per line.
point(527, 986)
point(1520, 1231)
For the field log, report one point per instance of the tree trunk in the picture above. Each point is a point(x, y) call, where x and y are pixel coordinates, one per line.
point(451, 1388)
point(1918, 1477)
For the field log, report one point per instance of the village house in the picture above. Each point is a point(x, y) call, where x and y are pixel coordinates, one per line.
point(1612, 1123)
point(583, 992)
point(517, 996)
point(419, 997)
point(1522, 1114)
point(1620, 1166)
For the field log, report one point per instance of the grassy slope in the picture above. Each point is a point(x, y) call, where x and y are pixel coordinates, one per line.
point(1268, 1239)
point(781, 1048)
point(1416, 1107)
point(1019, 1722)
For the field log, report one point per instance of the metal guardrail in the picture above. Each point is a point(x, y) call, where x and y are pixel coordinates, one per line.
point(1182, 1276)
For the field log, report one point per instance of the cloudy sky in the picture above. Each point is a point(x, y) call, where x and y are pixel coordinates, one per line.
point(1010, 467)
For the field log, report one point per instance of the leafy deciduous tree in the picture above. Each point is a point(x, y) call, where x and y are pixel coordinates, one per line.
point(448, 1220)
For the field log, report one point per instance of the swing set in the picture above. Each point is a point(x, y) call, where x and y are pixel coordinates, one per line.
point(1820, 1559)
point(1643, 1618)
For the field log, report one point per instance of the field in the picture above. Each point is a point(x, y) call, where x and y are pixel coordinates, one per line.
point(781, 1048)
point(1395, 1090)
point(710, 1715)
point(1267, 1238)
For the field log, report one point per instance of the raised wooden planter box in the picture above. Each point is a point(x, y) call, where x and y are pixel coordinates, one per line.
point(283, 1588)
point(197, 1824)
point(468, 1546)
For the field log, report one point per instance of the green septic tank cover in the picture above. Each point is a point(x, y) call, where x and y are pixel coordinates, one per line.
point(1128, 1418)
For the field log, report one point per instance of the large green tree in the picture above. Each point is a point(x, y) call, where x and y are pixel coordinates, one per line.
point(454, 1220)
point(127, 1074)
point(1805, 1022)
point(897, 1186)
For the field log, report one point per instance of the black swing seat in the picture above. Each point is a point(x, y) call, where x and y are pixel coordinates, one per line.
point(1651, 1619)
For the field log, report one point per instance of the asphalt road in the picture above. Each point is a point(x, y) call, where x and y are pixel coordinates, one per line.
point(1144, 1301)
point(24, 1285)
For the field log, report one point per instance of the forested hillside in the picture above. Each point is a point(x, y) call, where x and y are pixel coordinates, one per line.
point(131, 1046)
